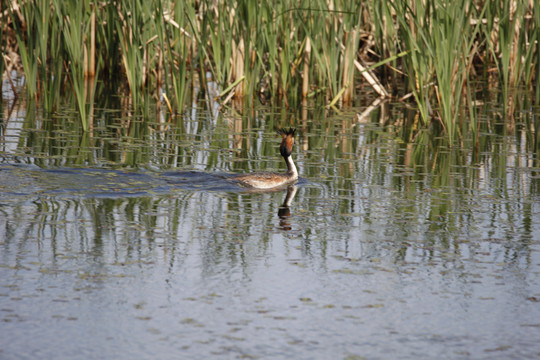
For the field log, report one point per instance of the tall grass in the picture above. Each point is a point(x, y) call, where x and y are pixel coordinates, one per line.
point(513, 27)
point(76, 19)
point(448, 41)
point(535, 39)
point(26, 23)
point(291, 50)
point(133, 32)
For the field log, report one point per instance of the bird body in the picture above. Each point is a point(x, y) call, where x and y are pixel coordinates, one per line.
point(269, 180)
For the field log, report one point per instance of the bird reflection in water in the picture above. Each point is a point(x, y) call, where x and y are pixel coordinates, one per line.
point(284, 211)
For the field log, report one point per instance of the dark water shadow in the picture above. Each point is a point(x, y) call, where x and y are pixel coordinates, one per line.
point(19, 183)
point(198, 180)
point(27, 180)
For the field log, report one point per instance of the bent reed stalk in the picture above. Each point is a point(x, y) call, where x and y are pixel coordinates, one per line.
point(286, 51)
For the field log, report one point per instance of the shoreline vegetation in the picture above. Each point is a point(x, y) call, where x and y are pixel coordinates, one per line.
point(430, 54)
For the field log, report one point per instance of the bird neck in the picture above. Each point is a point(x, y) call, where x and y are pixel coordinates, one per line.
point(291, 168)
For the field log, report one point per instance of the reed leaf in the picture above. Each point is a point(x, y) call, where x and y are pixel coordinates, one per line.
point(27, 44)
point(75, 18)
point(130, 28)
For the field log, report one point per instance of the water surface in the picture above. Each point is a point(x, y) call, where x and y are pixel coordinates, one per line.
point(130, 242)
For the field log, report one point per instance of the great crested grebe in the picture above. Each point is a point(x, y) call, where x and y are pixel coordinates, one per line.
point(268, 180)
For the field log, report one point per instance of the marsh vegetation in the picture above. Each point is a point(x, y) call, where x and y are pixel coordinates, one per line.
point(440, 57)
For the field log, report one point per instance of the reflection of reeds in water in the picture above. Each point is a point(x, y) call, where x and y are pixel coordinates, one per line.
point(312, 50)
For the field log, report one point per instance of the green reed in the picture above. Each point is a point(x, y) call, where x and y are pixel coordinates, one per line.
point(49, 46)
point(514, 45)
point(3, 48)
point(536, 38)
point(29, 45)
point(441, 38)
point(452, 52)
point(176, 46)
point(292, 49)
point(133, 33)
point(203, 58)
point(75, 29)
point(385, 36)
point(413, 23)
